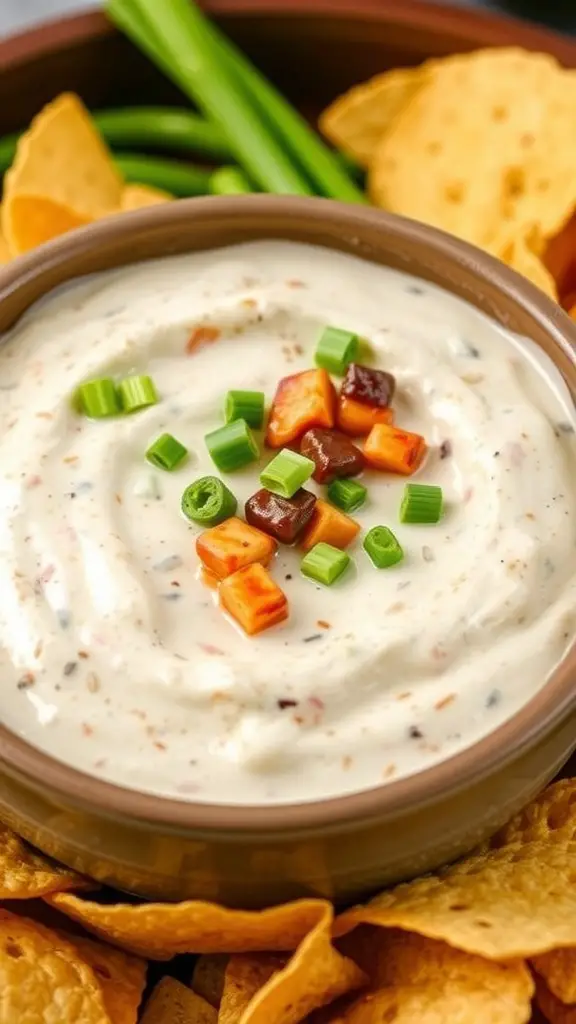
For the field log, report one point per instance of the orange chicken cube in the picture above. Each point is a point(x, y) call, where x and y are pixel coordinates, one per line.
point(356, 418)
point(253, 599)
point(301, 401)
point(394, 450)
point(233, 545)
point(330, 525)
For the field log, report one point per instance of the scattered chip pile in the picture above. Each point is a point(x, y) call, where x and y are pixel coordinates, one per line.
point(63, 177)
point(482, 145)
point(490, 940)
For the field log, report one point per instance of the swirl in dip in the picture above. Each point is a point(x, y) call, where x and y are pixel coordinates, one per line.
point(114, 656)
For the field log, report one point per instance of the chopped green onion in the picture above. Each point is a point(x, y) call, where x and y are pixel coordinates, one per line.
point(336, 350)
point(232, 446)
point(137, 392)
point(229, 181)
point(347, 494)
point(245, 405)
point(99, 398)
point(166, 452)
point(422, 503)
point(381, 546)
point(324, 563)
point(208, 501)
point(286, 473)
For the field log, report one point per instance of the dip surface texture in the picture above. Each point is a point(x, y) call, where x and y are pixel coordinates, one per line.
point(114, 656)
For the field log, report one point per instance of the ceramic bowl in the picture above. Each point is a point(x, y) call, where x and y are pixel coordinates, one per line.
point(253, 856)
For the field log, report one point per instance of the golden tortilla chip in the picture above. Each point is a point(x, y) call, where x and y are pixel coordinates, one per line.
point(160, 931)
point(135, 197)
point(121, 977)
point(5, 255)
point(356, 121)
point(558, 969)
point(514, 898)
point(208, 977)
point(521, 258)
point(559, 258)
point(173, 1003)
point(554, 1010)
point(246, 974)
point(258, 989)
point(63, 176)
point(42, 977)
point(489, 138)
point(419, 981)
point(25, 873)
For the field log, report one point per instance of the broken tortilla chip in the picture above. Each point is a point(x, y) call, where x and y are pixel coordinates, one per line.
point(63, 176)
point(514, 898)
point(160, 931)
point(490, 137)
point(259, 988)
point(356, 121)
point(208, 977)
point(521, 258)
point(43, 978)
point(5, 255)
point(25, 873)
point(173, 1003)
point(559, 258)
point(246, 974)
point(136, 197)
point(120, 976)
point(420, 981)
point(558, 968)
point(553, 1009)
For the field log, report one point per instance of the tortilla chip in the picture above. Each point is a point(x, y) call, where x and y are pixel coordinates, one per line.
point(259, 989)
point(135, 197)
point(521, 258)
point(558, 969)
point(554, 1010)
point(420, 981)
point(173, 1003)
point(42, 977)
point(208, 977)
point(489, 137)
point(356, 121)
point(5, 256)
point(514, 898)
point(160, 931)
point(63, 176)
point(246, 974)
point(121, 977)
point(34, 220)
point(25, 873)
point(559, 258)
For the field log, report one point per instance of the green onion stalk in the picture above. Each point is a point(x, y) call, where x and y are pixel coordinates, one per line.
point(178, 39)
point(175, 176)
point(176, 36)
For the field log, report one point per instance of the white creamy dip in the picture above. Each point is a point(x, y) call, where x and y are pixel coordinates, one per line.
point(114, 656)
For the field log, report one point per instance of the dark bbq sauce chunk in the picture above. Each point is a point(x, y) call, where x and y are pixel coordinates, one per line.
point(332, 453)
point(372, 387)
point(282, 518)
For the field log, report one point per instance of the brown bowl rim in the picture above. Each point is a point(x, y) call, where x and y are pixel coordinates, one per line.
point(529, 726)
point(470, 27)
